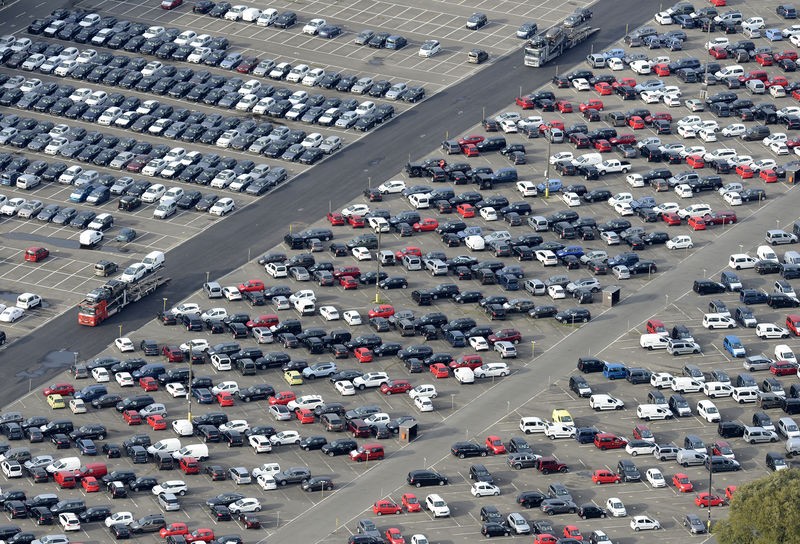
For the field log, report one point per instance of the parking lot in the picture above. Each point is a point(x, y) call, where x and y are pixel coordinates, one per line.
point(539, 380)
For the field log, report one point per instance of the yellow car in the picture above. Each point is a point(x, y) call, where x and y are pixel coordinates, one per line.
point(293, 377)
point(562, 416)
point(56, 401)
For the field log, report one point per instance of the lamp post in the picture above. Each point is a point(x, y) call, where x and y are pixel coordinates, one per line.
point(547, 171)
point(710, 451)
point(189, 390)
point(378, 274)
point(165, 304)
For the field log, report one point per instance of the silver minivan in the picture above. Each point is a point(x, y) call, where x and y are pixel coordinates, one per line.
point(213, 289)
point(777, 236)
point(169, 502)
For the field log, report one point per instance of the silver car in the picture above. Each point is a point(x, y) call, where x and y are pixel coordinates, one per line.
point(280, 412)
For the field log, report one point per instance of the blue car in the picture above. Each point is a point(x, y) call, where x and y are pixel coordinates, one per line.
point(203, 395)
point(773, 34)
point(577, 251)
point(86, 446)
point(614, 54)
point(470, 231)
point(80, 194)
point(643, 202)
point(555, 186)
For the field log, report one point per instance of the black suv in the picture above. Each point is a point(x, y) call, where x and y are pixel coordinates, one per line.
point(420, 478)
point(468, 449)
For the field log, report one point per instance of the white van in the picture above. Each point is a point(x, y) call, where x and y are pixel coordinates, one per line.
point(251, 14)
point(653, 341)
point(65, 463)
point(464, 375)
point(717, 389)
point(739, 261)
point(791, 257)
point(153, 260)
point(720, 154)
point(730, 71)
point(538, 223)
point(198, 451)
point(305, 306)
point(684, 384)
point(90, 238)
point(26, 301)
point(718, 321)
point(765, 253)
point(649, 412)
point(166, 445)
point(529, 425)
point(745, 394)
point(276, 270)
point(221, 362)
point(183, 427)
point(661, 379)
point(755, 435)
point(420, 201)
point(587, 159)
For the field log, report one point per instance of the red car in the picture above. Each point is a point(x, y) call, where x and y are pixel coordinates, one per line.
point(224, 398)
point(348, 282)
point(545, 538)
point(570, 531)
point(744, 171)
point(60, 388)
point(266, 320)
point(284, 397)
point(671, 218)
point(189, 465)
point(608, 441)
point(626, 81)
point(695, 161)
point(465, 210)
point(172, 353)
point(157, 422)
point(251, 285)
point(720, 218)
point(525, 102)
point(794, 142)
point(349, 271)
point(661, 69)
point(467, 361)
point(386, 507)
point(722, 448)
point(470, 150)
point(304, 415)
point(658, 116)
point(636, 122)
point(408, 250)
point(623, 139)
point(90, 484)
point(35, 254)
point(707, 499)
point(472, 139)
point(170, 4)
point(411, 503)
point(551, 124)
point(393, 534)
point(356, 221)
point(642, 432)
point(440, 370)
point(796, 94)
point(132, 417)
point(779, 81)
point(769, 176)
point(177, 528)
point(764, 59)
point(718, 52)
point(335, 218)
point(426, 225)
point(682, 483)
point(696, 223)
point(382, 310)
point(564, 106)
point(395, 386)
point(718, 3)
point(364, 355)
point(505, 335)
point(602, 145)
point(495, 445)
point(148, 384)
point(783, 368)
point(204, 535)
point(247, 65)
point(729, 491)
point(592, 104)
point(605, 477)
point(603, 88)
point(791, 55)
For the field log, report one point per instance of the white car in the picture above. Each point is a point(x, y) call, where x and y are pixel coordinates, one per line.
point(330, 313)
point(684, 191)
point(635, 180)
point(285, 437)
point(133, 273)
point(546, 257)
point(621, 272)
point(642, 67)
point(345, 388)
point(623, 208)
point(736, 129)
point(313, 26)
point(779, 148)
point(231, 293)
point(605, 402)
point(687, 131)
point(527, 188)
point(558, 430)
point(616, 507)
point(249, 504)
point(352, 317)
point(226, 386)
point(733, 198)
point(475, 243)
point(644, 523)
point(125, 518)
point(100, 375)
point(561, 156)
point(556, 292)
point(424, 391)
point(69, 521)
point(12, 206)
point(267, 469)
point(571, 199)
point(313, 77)
point(581, 84)
point(491, 370)
point(615, 64)
point(124, 344)
point(222, 207)
point(176, 487)
point(124, 379)
point(680, 242)
point(478, 343)
point(429, 48)
point(437, 506)
point(671, 100)
point(356, 209)
point(391, 187)
point(663, 18)
point(489, 213)
point(708, 411)
point(280, 412)
point(484, 489)
point(655, 477)
point(361, 254)
point(640, 447)
point(176, 390)
point(667, 207)
point(77, 406)
point(423, 404)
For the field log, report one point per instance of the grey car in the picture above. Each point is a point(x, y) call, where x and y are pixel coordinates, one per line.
point(280, 412)
point(292, 476)
point(264, 67)
point(395, 91)
point(558, 506)
point(231, 61)
point(362, 86)
point(320, 370)
point(693, 523)
point(153, 409)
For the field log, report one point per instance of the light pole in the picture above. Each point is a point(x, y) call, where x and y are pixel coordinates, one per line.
point(710, 451)
point(165, 304)
point(189, 390)
point(547, 171)
point(378, 274)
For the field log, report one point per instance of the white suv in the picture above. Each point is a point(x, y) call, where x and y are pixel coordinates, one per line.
point(437, 506)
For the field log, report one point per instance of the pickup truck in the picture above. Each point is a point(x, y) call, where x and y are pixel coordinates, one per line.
point(371, 379)
point(613, 165)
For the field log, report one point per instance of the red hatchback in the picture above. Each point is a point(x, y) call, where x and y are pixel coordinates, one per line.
point(364, 355)
point(696, 223)
point(695, 161)
point(36, 254)
point(495, 445)
point(408, 250)
point(335, 218)
point(783, 368)
point(602, 145)
point(608, 441)
point(592, 104)
point(426, 225)
point(284, 398)
point(251, 285)
point(744, 171)
point(304, 415)
point(707, 499)
point(769, 176)
point(382, 310)
point(718, 52)
point(682, 483)
point(157, 422)
point(200, 535)
point(564, 106)
point(247, 65)
point(467, 361)
point(603, 88)
point(266, 320)
point(623, 139)
point(472, 139)
point(148, 384)
point(386, 507)
point(790, 55)
point(636, 122)
point(661, 69)
point(177, 528)
point(605, 477)
point(349, 271)
point(132, 417)
point(172, 353)
point(395, 386)
point(764, 59)
point(224, 398)
point(90, 484)
point(62, 389)
point(348, 283)
point(671, 218)
point(525, 102)
point(465, 210)
point(356, 221)
point(440, 370)
point(471, 150)
point(411, 503)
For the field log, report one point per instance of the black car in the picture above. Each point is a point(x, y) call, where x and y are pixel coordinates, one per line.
point(591, 511)
point(468, 449)
point(530, 499)
point(494, 529)
point(420, 478)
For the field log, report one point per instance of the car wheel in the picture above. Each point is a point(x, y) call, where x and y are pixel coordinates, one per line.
point(330, 454)
point(636, 529)
point(441, 482)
